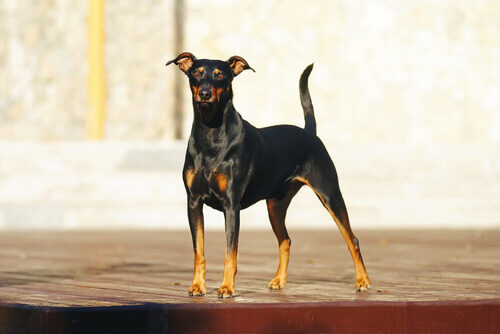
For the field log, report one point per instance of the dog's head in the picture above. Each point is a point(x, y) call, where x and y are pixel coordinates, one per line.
point(210, 80)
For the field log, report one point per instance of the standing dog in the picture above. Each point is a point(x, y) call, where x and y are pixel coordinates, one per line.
point(231, 165)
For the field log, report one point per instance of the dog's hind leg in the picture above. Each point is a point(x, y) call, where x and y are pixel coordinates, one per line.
point(321, 176)
point(276, 209)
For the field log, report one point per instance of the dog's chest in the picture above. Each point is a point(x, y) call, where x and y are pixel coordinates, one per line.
point(210, 184)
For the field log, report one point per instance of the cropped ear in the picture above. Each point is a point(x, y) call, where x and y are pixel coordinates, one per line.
point(185, 60)
point(238, 65)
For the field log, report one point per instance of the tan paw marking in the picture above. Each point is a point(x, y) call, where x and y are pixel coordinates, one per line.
point(277, 283)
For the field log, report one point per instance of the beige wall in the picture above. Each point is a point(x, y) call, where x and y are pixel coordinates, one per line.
point(44, 69)
point(420, 72)
point(385, 71)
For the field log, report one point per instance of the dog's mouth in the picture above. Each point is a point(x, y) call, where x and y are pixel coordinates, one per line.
point(204, 102)
point(206, 109)
point(209, 114)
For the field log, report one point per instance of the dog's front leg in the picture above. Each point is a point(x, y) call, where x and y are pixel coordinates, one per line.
point(196, 224)
point(232, 220)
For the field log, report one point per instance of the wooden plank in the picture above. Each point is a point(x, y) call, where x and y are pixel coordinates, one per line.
point(404, 266)
point(343, 317)
point(59, 279)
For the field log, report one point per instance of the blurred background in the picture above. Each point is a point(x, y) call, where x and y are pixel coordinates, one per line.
point(93, 126)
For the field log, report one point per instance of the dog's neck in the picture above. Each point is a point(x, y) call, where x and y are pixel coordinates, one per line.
point(216, 125)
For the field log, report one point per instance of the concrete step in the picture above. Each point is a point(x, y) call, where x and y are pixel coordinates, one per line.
point(138, 185)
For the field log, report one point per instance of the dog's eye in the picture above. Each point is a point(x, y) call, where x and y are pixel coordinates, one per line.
point(219, 76)
point(197, 74)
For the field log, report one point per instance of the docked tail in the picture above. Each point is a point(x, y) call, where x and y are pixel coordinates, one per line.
point(305, 100)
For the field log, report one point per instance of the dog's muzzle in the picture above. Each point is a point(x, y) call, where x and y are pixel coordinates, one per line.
point(205, 92)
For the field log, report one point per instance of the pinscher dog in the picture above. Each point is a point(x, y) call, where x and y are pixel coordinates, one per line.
point(231, 165)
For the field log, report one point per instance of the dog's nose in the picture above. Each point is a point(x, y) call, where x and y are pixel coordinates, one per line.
point(205, 94)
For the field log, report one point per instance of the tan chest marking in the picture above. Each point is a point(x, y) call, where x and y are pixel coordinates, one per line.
point(189, 175)
point(221, 180)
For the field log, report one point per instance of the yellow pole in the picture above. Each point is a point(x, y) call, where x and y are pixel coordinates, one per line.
point(96, 88)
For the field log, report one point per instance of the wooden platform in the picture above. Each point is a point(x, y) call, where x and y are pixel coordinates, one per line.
point(137, 282)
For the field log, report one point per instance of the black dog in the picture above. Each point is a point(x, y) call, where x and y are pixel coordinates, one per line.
point(231, 165)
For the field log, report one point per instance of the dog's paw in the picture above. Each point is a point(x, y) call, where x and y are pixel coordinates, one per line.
point(197, 290)
point(362, 283)
point(277, 283)
point(226, 292)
